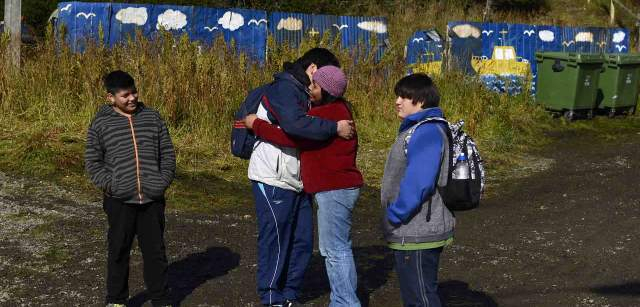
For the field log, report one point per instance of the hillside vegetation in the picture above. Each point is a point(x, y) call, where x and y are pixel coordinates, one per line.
point(47, 105)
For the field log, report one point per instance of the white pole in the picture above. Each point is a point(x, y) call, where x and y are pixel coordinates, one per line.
point(612, 13)
point(12, 20)
point(487, 10)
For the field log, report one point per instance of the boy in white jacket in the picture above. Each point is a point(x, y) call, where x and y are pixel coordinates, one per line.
point(283, 210)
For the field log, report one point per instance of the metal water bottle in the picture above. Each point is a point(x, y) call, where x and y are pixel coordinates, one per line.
point(461, 170)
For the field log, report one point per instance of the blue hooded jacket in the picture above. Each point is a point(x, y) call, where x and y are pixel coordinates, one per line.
point(289, 104)
point(424, 152)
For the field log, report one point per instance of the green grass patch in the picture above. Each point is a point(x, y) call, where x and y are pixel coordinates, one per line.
point(56, 255)
point(45, 230)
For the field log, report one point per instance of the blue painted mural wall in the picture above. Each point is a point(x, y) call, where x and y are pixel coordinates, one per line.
point(247, 28)
point(292, 28)
point(469, 39)
point(425, 46)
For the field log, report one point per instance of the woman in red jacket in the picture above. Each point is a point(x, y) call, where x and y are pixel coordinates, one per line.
point(329, 172)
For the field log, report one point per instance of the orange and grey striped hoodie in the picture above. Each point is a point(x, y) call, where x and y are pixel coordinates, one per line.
point(130, 158)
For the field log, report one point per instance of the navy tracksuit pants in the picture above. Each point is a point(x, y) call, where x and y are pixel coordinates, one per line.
point(418, 275)
point(285, 241)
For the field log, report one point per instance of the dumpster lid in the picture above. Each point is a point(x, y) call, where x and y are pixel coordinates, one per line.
point(571, 56)
point(622, 59)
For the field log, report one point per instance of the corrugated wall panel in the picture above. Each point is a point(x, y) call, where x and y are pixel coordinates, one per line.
point(618, 40)
point(126, 19)
point(82, 22)
point(424, 46)
point(206, 27)
point(292, 28)
point(529, 39)
point(466, 43)
point(248, 28)
point(173, 18)
point(356, 30)
point(549, 38)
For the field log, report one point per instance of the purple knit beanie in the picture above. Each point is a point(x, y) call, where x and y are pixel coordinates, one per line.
point(331, 79)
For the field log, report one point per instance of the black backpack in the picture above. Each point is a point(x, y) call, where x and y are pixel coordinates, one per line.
point(243, 139)
point(460, 193)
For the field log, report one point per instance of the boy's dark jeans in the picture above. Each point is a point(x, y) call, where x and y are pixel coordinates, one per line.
point(125, 222)
point(418, 275)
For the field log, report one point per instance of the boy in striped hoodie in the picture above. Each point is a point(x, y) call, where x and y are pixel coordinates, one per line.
point(129, 156)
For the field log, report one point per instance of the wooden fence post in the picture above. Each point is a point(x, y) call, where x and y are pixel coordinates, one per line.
point(487, 10)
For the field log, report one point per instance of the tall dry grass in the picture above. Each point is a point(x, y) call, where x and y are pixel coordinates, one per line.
point(47, 105)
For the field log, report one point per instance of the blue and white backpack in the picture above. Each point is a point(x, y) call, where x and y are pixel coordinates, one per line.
point(465, 181)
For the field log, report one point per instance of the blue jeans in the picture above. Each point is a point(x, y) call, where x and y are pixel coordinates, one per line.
point(334, 229)
point(418, 275)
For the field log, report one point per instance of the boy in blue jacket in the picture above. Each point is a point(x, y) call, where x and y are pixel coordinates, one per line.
point(416, 222)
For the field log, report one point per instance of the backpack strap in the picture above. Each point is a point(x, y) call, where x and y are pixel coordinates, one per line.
point(447, 153)
point(418, 124)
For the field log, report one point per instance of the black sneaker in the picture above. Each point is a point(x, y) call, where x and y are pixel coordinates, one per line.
point(288, 303)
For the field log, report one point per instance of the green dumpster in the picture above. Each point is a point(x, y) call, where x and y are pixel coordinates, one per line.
point(619, 83)
point(568, 82)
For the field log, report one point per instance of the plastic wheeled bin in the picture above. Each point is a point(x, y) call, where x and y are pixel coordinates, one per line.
point(618, 85)
point(568, 82)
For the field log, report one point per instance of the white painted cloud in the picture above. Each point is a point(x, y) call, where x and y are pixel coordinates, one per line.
point(135, 15)
point(618, 37)
point(373, 26)
point(290, 24)
point(466, 30)
point(584, 37)
point(231, 21)
point(171, 20)
point(547, 36)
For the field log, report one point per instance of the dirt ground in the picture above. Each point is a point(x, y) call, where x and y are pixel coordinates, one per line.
point(562, 232)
